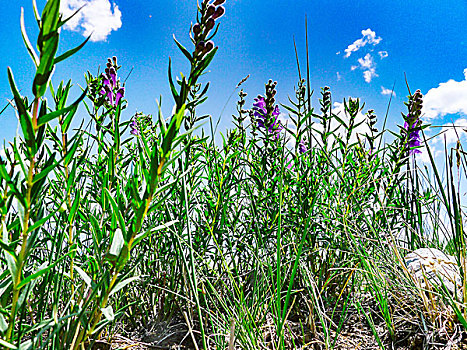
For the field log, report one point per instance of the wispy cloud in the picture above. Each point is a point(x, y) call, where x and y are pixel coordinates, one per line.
point(385, 91)
point(369, 37)
point(448, 98)
point(367, 64)
point(383, 54)
point(99, 17)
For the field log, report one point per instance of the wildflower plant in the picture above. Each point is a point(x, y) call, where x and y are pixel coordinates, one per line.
point(132, 221)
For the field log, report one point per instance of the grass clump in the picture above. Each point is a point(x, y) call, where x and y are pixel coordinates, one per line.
point(281, 236)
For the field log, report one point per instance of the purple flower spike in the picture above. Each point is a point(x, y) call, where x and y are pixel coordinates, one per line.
point(119, 95)
point(110, 95)
point(113, 76)
point(106, 80)
point(219, 12)
point(276, 112)
point(302, 147)
point(134, 128)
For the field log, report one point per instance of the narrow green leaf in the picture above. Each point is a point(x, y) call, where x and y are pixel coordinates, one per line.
point(50, 116)
point(84, 276)
point(182, 48)
point(172, 86)
point(70, 154)
point(172, 131)
point(7, 345)
point(123, 284)
point(39, 223)
point(28, 44)
point(141, 236)
point(42, 269)
point(24, 117)
point(3, 324)
point(117, 213)
point(71, 52)
point(48, 167)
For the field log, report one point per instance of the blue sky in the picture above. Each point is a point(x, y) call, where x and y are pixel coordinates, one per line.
point(358, 48)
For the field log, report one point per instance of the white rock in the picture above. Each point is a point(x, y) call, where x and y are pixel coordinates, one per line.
point(429, 265)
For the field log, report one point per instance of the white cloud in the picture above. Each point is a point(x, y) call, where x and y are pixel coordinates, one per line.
point(385, 91)
point(339, 109)
point(448, 98)
point(383, 54)
point(368, 66)
point(369, 37)
point(98, 17)
point(452, 132)
point(339, 76)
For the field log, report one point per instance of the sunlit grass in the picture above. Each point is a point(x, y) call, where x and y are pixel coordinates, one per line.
point(280, 236)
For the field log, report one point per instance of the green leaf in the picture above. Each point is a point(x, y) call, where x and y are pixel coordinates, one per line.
point(123, 284)
point(84, 276)
point(45, 69)
point(70, 154)
point(117, 213)
point(182, 48)
point(7, 345)
point(172, 131)
point(28, 44)
point(74, 207)
point(141, 236)
point(3, 324)
point(71, 52)
point(24, 116)
point(50, 116)
point(201, 67)
point(42, 269)
point(68, 119)
point(48, 167)
point(39, 223)
point(172, 86)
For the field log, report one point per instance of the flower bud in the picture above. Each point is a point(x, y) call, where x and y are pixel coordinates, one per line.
point(210, 11)
point(219, 12)
point(114, 59)
point(218, 2)
point(200, 47)
point(208, 47)
point(196, 29)
point(210, 24)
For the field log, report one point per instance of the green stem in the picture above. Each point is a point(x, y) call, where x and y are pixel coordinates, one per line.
point(24, 237)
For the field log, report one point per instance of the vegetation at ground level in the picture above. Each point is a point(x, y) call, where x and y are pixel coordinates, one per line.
point(281, 236)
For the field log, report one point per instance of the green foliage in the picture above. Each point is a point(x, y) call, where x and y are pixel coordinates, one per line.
point(102, 227)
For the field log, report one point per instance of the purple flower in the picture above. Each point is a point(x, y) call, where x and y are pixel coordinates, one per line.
point(414, 137)
point(119, 95)
point(134, 128)
point(302, 147)
point(110, 87)
point(260, 112)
